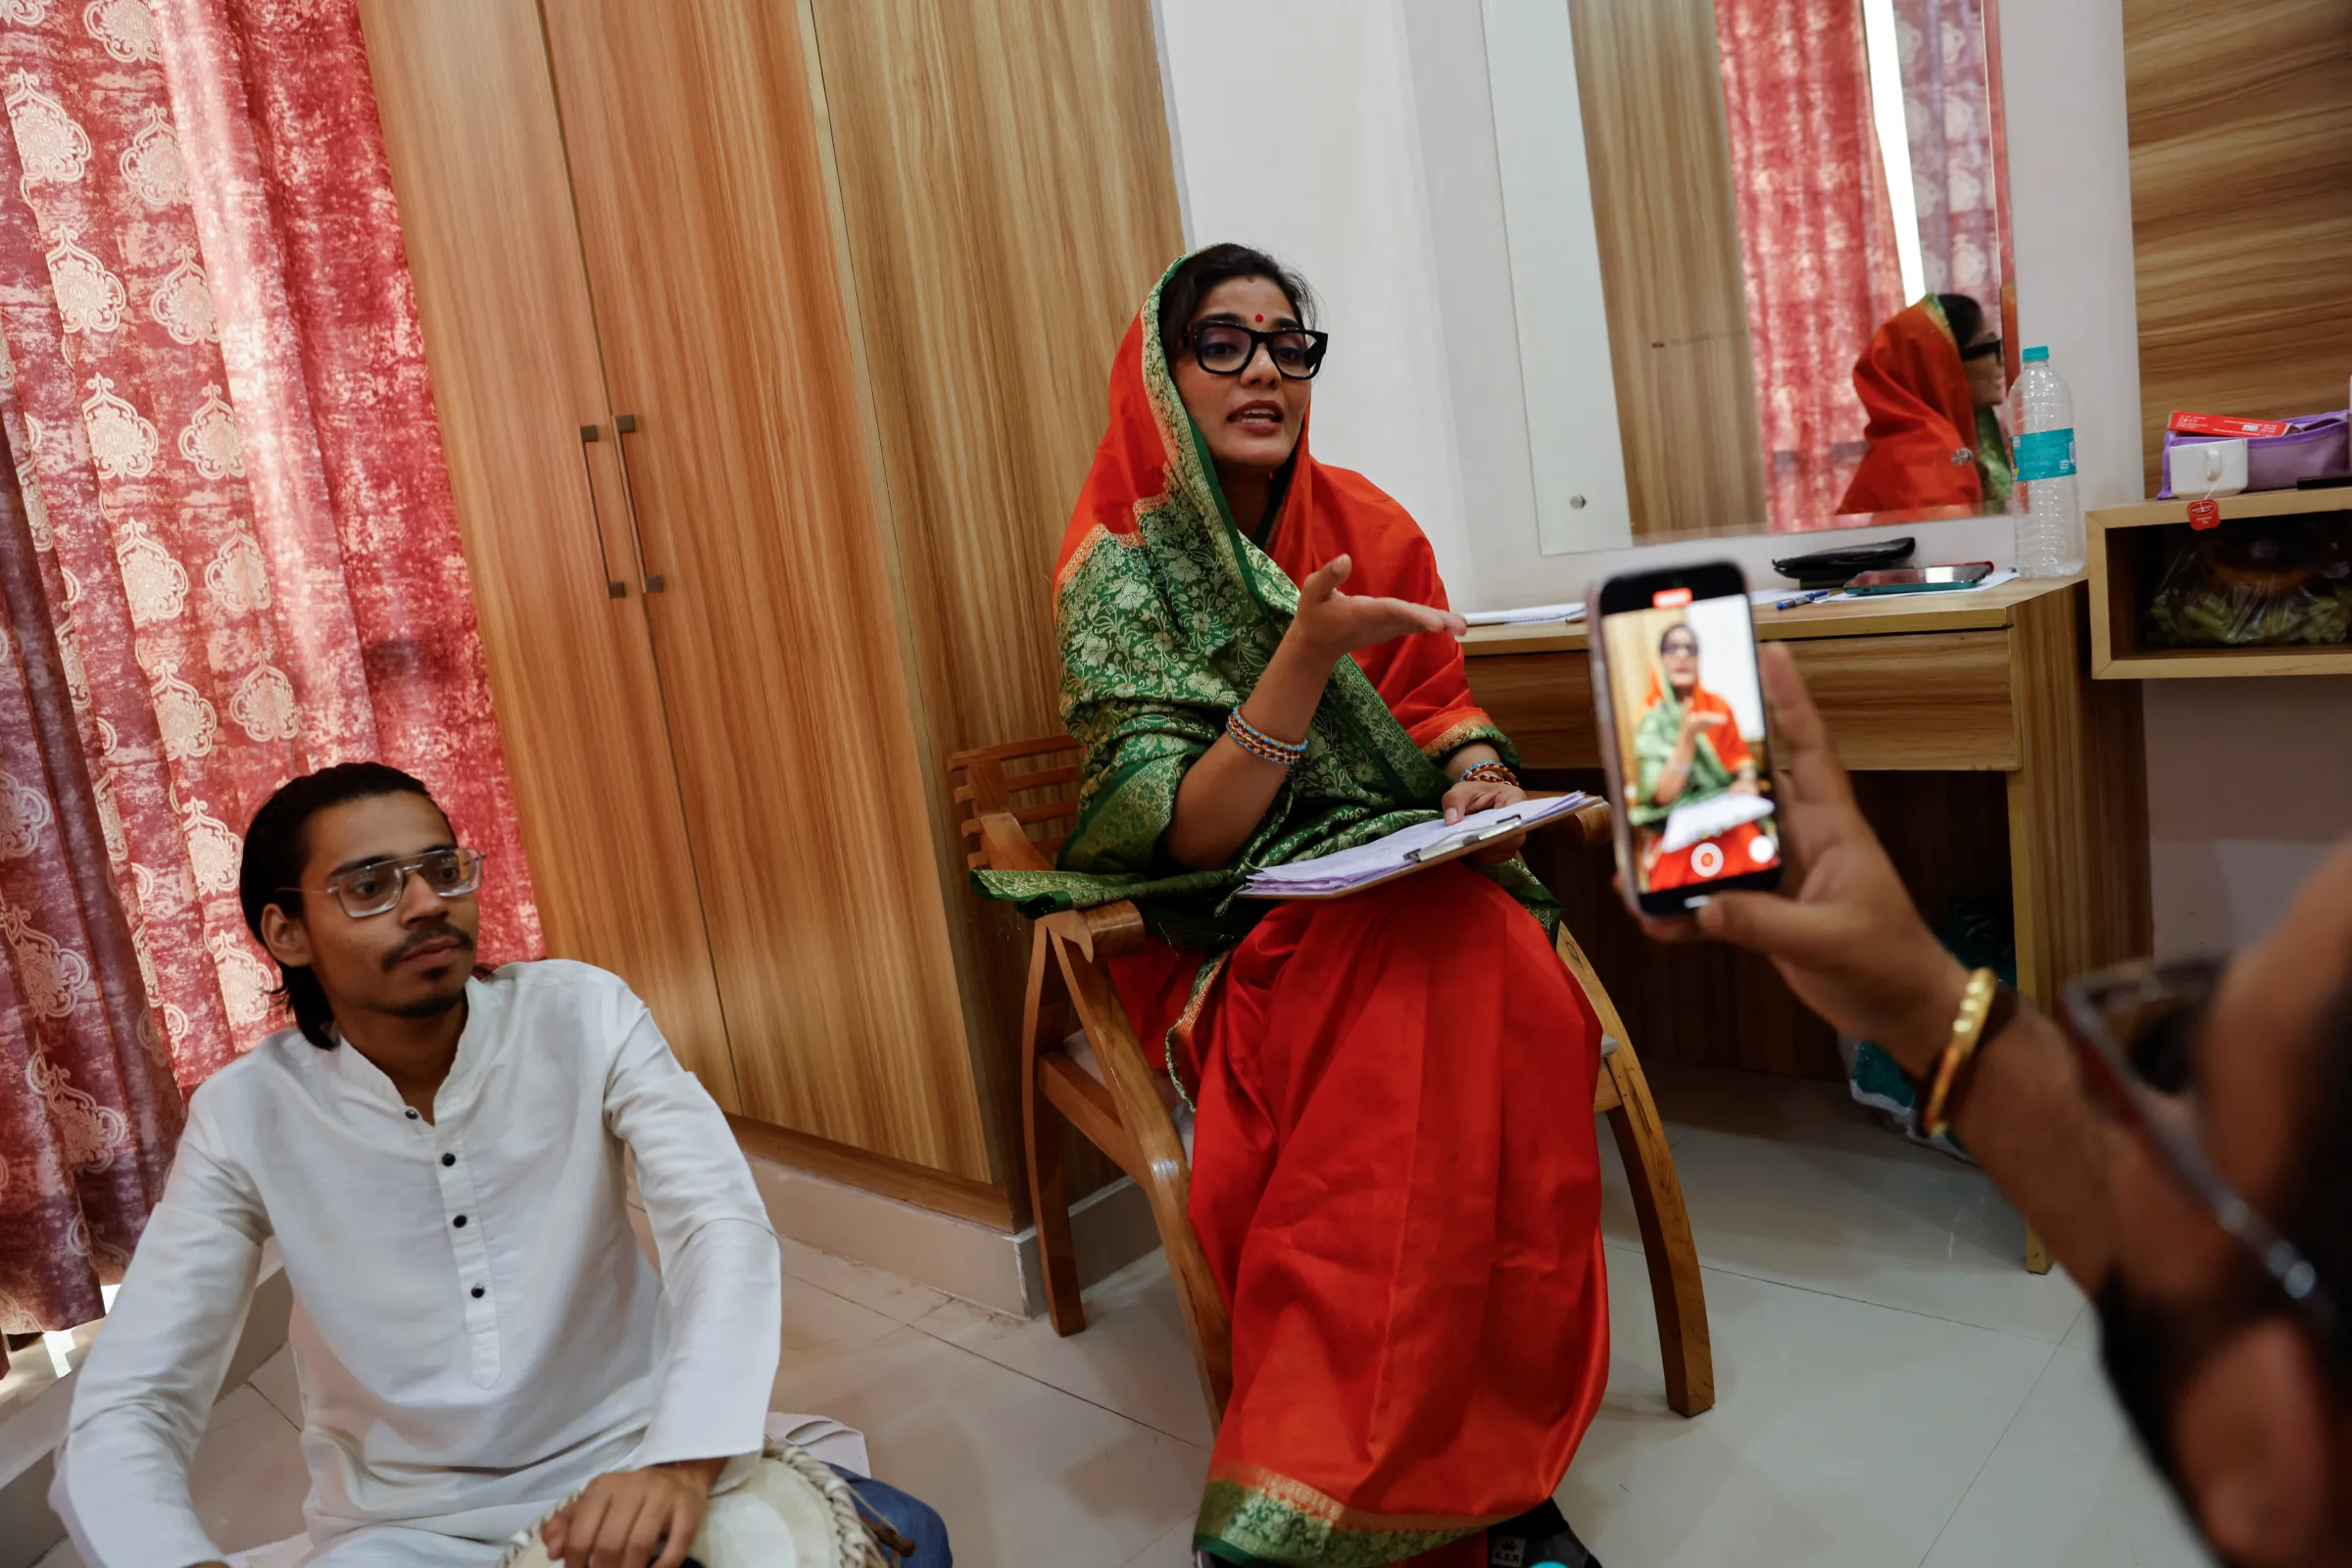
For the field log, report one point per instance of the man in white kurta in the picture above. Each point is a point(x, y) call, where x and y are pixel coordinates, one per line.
point(476, 1332)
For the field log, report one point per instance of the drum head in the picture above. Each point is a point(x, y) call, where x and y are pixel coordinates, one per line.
point(790, 1512)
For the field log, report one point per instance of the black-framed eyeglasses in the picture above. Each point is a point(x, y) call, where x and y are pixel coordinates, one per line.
point(375, 887)
point(1226, 348)
point(1982, 350)
point(2135, 1029)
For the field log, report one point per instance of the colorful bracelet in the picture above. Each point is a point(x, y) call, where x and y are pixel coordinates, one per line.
point(1260, 745)
point(1488, 773)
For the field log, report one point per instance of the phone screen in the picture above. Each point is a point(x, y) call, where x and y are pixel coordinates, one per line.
point(1691, 751)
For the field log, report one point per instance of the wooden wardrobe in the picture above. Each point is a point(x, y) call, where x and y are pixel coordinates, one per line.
point(768, 341)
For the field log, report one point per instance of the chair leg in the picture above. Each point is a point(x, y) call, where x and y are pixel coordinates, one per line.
point(1676, 1290)
point(1043, 1130)
point(1685, 1349)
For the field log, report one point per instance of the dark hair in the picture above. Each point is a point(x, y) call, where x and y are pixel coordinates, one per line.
point(1205, 269)
point(1964, 316)
point(277, 850)
point(1684, 628)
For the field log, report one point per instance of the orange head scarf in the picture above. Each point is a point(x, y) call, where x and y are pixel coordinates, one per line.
point(1922, 418)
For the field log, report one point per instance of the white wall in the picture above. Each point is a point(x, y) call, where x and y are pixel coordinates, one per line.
point(1297, 134)
point(1581, 501)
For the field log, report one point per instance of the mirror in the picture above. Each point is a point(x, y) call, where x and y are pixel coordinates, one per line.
point(1779, 225)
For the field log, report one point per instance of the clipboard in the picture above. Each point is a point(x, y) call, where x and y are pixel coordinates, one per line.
point(1469, 840)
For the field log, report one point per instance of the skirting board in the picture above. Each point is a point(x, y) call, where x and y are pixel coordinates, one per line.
point(30, 1433)
point(989, 1268)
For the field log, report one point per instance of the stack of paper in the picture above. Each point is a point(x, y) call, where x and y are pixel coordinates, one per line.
point(1404, 851)
point(1533, 615)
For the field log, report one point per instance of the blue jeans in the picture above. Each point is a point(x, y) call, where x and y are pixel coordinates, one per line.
point(911, 1517)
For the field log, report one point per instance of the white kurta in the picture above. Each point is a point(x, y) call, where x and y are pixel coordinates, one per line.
point(476, 1332)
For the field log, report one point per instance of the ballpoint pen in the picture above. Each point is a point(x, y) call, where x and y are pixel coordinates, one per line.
point(1815, 596)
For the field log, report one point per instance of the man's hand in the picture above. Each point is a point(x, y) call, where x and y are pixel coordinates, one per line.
point(634, 1518)
point(1844, 933)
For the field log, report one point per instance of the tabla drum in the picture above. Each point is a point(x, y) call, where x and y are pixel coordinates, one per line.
point(792, 1511)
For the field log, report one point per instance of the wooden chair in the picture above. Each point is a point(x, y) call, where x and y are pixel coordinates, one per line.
point(1019, 802)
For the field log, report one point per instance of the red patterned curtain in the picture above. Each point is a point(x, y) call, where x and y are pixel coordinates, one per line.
point(1816, 236)
point(1945, 106)
point(242, 564)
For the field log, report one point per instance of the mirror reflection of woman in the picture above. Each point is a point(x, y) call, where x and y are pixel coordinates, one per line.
point(1930, 382)
point(1394, 1176)
point(1687, 752)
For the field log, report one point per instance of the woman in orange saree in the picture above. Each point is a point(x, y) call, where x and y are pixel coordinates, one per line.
point(1395, 1175)
point(1688, 754)
point(1930, 382)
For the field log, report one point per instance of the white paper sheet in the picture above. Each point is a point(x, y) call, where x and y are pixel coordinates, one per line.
point(1350, 869)
point(1685, 826)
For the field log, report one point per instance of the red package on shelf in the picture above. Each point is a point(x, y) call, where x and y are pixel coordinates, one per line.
point(2223, 425)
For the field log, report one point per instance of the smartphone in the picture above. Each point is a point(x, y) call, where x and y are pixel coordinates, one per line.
point(1920, 579)
point(1684, 740)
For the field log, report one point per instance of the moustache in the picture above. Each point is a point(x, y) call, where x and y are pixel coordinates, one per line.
point(440, 931)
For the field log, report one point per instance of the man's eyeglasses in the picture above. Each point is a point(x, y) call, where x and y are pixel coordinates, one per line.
point(2135, 1031)
point(1226, 348)
point(375, 887)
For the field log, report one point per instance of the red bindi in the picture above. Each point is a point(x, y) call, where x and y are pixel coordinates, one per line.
point(1261, 318)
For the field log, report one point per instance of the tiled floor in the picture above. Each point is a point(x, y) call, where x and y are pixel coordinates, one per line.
point(1893, 1387)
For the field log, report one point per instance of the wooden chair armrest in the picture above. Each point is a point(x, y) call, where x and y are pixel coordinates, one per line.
point(1103, 932)
point(1098, 933)
point(1009, 845)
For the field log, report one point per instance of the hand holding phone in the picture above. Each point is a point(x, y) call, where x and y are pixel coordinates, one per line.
point(1683, 737)
point(1847, 939)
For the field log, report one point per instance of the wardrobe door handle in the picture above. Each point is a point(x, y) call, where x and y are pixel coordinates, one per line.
point(614, 588)
point(623, 425)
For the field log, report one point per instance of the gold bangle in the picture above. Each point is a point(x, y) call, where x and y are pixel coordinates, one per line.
point(1933, 1114)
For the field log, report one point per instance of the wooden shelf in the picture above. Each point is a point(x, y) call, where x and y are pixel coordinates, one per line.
point(2234, 509)
point(2123, 562)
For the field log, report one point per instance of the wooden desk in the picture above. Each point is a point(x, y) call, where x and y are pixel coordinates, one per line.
point(1986, 756)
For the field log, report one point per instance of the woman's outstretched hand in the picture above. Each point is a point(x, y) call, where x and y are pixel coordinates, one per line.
point(1332, 625)
point(1842, 932)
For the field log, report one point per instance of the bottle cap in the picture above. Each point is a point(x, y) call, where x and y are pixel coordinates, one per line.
point(2033, 356)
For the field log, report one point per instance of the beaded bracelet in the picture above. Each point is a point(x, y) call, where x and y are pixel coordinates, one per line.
point(1260, 745)
point(1488, 773)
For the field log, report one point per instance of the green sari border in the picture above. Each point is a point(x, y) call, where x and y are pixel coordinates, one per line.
point(1250, 1527)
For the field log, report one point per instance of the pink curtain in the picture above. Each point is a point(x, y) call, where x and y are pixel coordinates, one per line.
point(1941, 45)
point(1816, 236)
point(243, 565)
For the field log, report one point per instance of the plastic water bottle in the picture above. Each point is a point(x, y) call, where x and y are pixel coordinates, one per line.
point(2049, 536)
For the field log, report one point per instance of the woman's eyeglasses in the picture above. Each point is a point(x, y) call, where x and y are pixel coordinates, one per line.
point(375, 887)
point(1226, 348)
point(2135, 1029)
point(1982, 350)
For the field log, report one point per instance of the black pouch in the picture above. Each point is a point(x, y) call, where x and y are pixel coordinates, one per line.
point(1833, 569)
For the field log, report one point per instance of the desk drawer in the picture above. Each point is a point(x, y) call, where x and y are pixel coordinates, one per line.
point(1913, 702)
